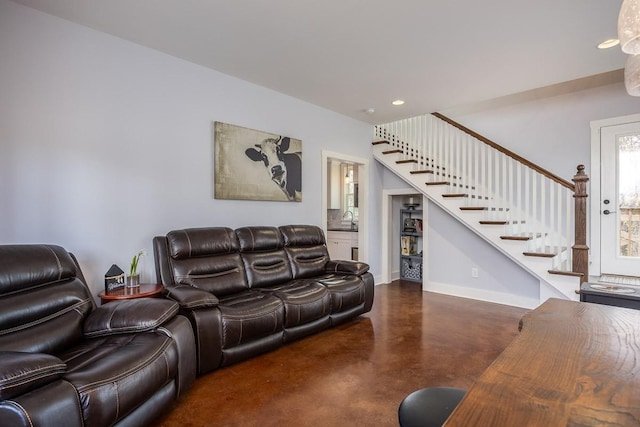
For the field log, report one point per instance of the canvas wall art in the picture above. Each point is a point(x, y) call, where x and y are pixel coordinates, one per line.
point(254, 165)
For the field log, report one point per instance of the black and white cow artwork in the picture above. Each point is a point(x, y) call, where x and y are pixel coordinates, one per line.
point(285, 169)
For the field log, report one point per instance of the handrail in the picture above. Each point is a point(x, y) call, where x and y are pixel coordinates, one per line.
point(507, 152)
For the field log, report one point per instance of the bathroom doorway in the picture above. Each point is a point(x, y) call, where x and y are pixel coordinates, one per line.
point(344, 202)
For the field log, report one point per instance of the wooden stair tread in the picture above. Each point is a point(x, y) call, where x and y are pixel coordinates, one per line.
point(540, 254)
point(406, 161)
point(380, 142)
point(421, 171)
point(494, 222)
point(451, 195)
point(397, 150)
point(565, 273)
point(522, 237)
point(473, 208)
point(519, 238)
point(437, 183)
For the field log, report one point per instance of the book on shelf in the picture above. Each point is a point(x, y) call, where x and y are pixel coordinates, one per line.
point(408, 245)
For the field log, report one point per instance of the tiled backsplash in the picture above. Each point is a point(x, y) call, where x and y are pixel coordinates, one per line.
point(334, 218)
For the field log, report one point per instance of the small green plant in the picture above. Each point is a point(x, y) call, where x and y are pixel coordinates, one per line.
point(133, 269)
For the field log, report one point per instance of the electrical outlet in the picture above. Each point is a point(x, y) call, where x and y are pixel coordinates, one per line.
point(474, 272)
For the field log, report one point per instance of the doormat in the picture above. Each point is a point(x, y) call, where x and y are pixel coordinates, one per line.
point(619, 280)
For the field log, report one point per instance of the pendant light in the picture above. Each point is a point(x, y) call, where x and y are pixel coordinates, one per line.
point(629, 35)
point(629, 27)
point(632, 75)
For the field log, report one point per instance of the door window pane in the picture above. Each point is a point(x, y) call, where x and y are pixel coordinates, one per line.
point(629, 195)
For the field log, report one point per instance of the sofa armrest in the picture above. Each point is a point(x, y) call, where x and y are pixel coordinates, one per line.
point(23, 372)
point(349, 267)
point(190, 297)
point(121, 317)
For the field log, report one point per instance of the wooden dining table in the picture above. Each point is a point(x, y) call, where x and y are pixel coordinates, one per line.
point(573, 364)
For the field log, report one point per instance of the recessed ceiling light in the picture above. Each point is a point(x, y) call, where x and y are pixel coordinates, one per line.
point(398, 102)
point(609, 43)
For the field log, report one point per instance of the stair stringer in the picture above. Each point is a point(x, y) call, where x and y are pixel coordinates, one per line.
point(551, 284)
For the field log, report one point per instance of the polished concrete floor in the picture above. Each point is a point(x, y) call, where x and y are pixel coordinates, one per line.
point(358, 373)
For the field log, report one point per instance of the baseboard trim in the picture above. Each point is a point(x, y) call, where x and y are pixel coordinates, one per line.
point(481, 295)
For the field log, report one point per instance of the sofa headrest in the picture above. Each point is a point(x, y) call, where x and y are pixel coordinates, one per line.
point(26, 266)
point(302, 235)
point(253, 239)
point(195, 242)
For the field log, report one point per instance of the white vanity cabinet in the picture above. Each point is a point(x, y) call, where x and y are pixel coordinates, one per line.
point(341, 244)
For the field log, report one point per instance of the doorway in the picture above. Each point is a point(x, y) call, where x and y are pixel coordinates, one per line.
point(615, 203)
point(392, 201)
point(354, 197)
point(620, 199)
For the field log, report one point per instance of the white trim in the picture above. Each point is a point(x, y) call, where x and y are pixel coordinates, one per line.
point(363, 196)
point(481, 294)
point(594, 188)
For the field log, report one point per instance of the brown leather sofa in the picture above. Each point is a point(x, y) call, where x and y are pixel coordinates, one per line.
point(64, 362)
point(250, 290)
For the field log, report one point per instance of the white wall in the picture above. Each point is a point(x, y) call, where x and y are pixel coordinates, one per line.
point(454, 251)
point(104, 143)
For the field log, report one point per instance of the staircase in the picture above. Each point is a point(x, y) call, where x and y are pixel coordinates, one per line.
point(518, 207)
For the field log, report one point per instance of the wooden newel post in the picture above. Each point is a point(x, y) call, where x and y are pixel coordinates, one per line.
point(580, 249)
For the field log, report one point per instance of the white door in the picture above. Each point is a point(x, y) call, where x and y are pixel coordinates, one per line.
point(620, 199)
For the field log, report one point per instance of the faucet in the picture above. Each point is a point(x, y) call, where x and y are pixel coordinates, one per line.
point(349, 213)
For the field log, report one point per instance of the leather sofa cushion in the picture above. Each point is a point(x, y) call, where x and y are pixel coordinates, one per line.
point(265, 262)
point(306, 249)
point(22, 372)
point(221, 274)
point(249, 315)
point(253, 239)
point(346, 290)
point(117, 373)
point(308, 261)
point(28, 319)
point(267, 268)
point(304, 301)
point(137, 315)
point(302, 235)
point(28, 266)
point(197, 242)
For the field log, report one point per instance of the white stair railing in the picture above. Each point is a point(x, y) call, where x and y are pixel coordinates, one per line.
point(531, 202)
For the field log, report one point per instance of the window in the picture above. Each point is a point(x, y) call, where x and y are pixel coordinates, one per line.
point(350, 190)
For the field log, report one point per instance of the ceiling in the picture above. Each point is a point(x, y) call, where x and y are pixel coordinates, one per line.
point(352, 55)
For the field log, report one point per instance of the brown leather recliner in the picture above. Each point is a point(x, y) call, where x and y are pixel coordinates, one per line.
point(64, 362)
point(251, 290)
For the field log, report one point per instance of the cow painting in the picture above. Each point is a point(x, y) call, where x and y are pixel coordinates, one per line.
point(282, 167)
point(251, 164)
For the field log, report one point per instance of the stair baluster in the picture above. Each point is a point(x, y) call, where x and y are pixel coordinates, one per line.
point(532, 204)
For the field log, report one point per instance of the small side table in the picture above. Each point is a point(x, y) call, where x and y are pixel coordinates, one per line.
point(145, 290)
